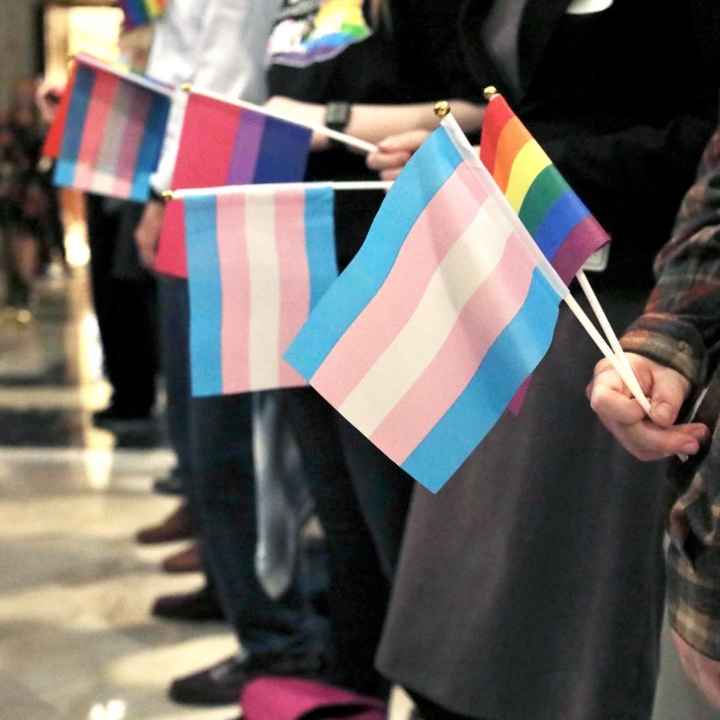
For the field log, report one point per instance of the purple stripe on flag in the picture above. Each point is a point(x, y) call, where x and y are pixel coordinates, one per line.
point(248, 141)
point(581, 242)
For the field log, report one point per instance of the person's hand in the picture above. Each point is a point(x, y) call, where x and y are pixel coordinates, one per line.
point(702, 671)
point(394, 152)
point(303, 113)
point(47, 99)
point(147, 233)
point(645, 438)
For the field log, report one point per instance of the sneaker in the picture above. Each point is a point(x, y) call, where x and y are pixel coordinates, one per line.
point(198, 606)
point(222, 683)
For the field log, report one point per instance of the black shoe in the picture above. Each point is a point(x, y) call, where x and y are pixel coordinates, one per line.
point(114, 415)
point(170, 484)
point(222, 684)
point(198, 606)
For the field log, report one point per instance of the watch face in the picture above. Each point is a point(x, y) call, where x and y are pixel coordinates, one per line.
point(337, 114)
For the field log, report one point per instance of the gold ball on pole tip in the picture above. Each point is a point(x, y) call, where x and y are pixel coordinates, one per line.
point(489, 92)
point(442, 108)
point(186, 87)
point(167, 195)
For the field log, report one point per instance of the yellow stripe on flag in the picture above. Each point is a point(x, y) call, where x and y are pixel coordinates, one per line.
point(529, 163)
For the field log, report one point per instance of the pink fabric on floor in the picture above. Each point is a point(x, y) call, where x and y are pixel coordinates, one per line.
point(287, 698)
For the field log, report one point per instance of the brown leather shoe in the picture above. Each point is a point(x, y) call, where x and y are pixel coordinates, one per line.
point(187, 560)
point(176, 526)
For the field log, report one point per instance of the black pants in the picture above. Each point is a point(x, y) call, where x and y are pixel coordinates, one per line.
point(125, 307)
point(429, 711)
point(362, 510)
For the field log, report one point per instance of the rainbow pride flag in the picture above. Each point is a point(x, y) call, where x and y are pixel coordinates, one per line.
point(312, 32)
point(553, 214)
point(446, 309)
point(110, 131)
point(259, 258)
point(222, 143)
point(141, 12)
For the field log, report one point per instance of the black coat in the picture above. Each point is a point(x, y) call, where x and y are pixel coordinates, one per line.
point(531, 586)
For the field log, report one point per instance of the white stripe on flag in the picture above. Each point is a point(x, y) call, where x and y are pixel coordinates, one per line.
point(264, 291)
point(467, 265)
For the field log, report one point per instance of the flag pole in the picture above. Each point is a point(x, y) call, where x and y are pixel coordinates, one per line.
point(340, 137)
point(612, 337)
point(261, 188)
point(123, 74)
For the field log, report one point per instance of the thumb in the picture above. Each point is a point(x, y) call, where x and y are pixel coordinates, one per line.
point(668, 394)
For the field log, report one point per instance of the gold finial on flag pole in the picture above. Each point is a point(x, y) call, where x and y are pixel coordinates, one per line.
point(167, 195)
point(186, 87)
point(489, 92)
point(442, 108)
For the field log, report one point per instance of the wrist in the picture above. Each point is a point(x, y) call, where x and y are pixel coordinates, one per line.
point(337, 117)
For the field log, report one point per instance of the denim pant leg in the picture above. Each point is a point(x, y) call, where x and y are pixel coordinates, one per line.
point(359, 591)
point(224, 493)
point(174, 322)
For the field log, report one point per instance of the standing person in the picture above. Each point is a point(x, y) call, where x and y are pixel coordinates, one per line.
point(532, 586)
point(219, 46)
point(673, 347)
point(360, 495)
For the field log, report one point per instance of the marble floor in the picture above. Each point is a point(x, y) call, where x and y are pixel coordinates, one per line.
point(76, 638)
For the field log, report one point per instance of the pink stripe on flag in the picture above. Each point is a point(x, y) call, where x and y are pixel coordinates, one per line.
point(581, 242)
point(436, 230)
point(93, 137)
point(450, 371)
point(235, 282)
point(206, 143)
point(131, 139)
point(171, 256)
point(294, 275)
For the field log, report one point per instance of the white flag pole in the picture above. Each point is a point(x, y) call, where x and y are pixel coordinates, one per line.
point(340, 137)
point(613, 338)
point(265, 188)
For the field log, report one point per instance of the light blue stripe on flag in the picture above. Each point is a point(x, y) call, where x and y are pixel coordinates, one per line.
point(74, 126)
point(151, 145)
point(562, 217)
point(426, 173)
point(320, 240)
point(510, 360)
point(205, 295)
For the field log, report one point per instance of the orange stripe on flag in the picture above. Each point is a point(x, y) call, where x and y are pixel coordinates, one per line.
point(498, 113)
point(513, 138)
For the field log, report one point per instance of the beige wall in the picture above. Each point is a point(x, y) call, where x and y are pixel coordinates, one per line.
point(17, 51)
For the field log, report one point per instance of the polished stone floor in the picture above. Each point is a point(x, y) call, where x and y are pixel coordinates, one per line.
point(76, 639)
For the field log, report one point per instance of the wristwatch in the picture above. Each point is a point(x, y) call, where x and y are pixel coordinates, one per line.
point(337, 115)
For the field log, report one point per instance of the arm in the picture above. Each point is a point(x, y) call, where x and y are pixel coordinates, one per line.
point(376, 122)
point(672, 341)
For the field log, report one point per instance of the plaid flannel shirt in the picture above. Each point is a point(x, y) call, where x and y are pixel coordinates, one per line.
point(681, 328)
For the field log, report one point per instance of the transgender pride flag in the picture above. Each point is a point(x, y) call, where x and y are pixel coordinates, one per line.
point(447, 308)
point(553, 214)
point(224, 143)
point(113, 125)
point(259, 257)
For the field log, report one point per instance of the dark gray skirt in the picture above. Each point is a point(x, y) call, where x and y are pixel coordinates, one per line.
point(531, 586)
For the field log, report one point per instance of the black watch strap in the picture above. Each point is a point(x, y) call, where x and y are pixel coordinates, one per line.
point(337, 115)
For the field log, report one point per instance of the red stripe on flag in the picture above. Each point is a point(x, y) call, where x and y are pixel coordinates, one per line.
point(53, 140)
point(497, 114)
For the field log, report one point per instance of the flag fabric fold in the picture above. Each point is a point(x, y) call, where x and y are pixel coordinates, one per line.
point(553, 214)
point(109, 131)
point(259, 257)
point(446, 309)
point(222, 143)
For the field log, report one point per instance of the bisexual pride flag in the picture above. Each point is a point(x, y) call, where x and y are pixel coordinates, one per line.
point(141, 12)
point(553, 214)
point(110, 131)
point(259, 258)
point(443, 313)
point(226, 143)
point(316, 30)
